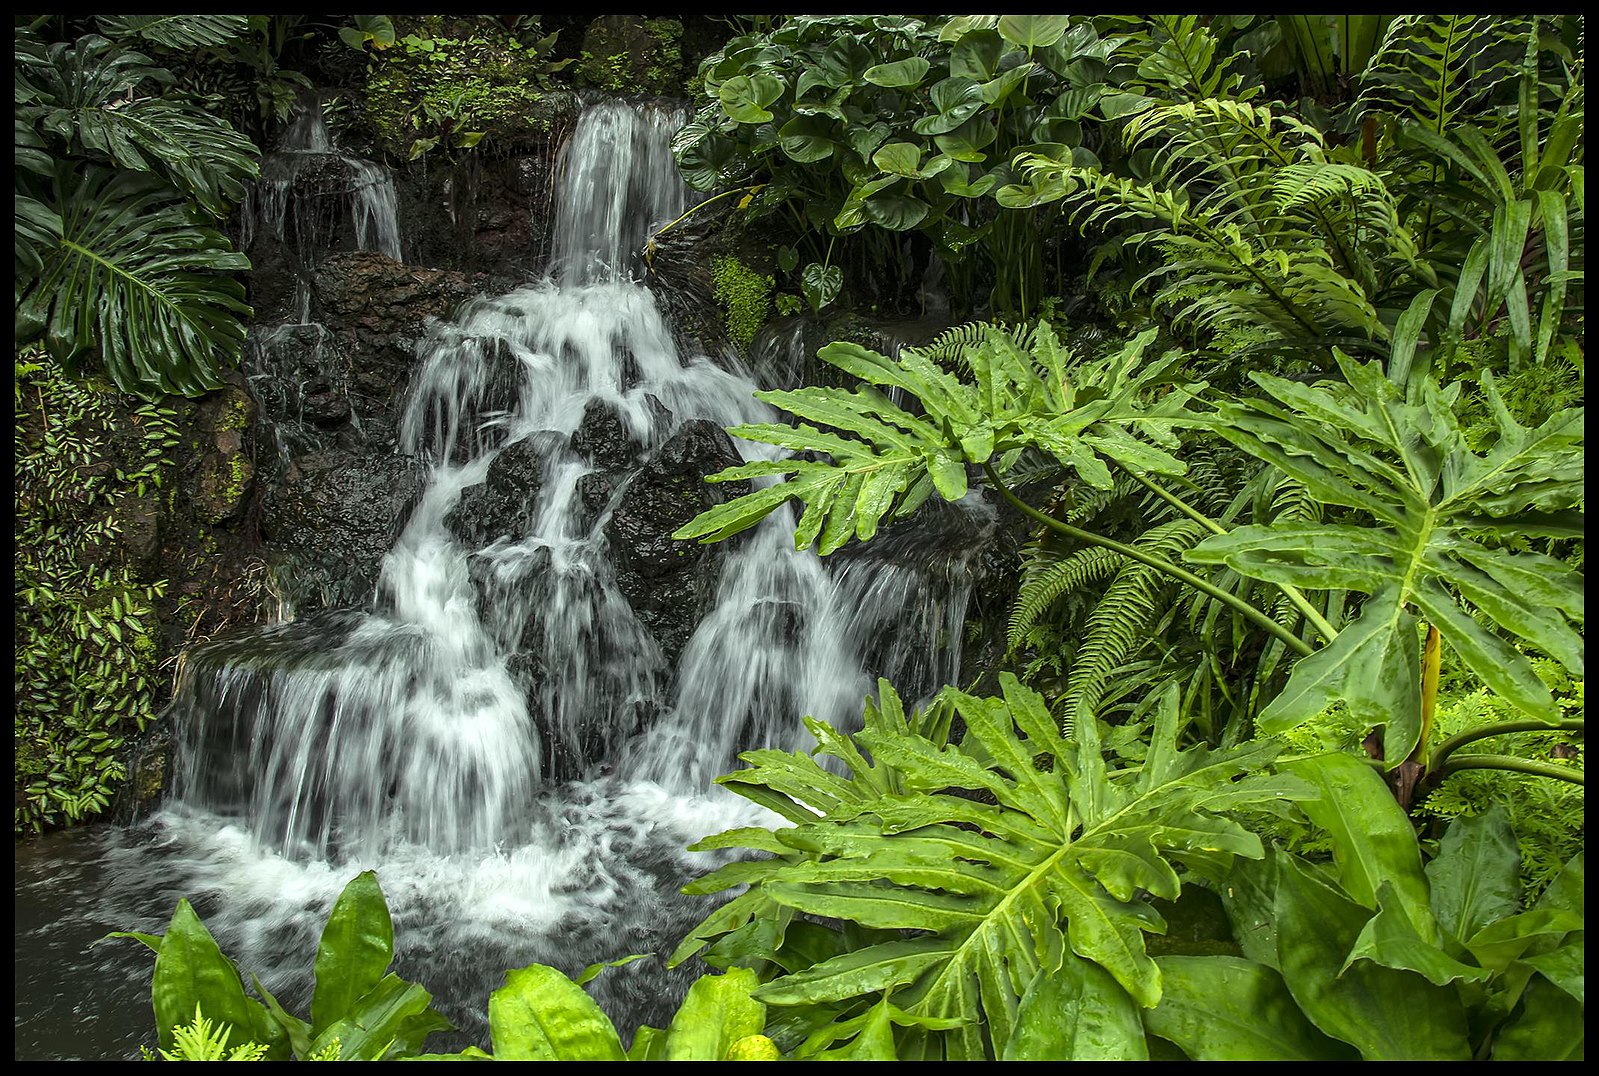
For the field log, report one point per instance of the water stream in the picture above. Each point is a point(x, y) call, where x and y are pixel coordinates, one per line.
point(497, 734)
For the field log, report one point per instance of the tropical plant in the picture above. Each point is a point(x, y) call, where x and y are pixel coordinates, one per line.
point(1398, 456)
point(369, 1013)
point(1398, 960)
point(541, 1015)
point(1019, 860)
point(118, 192)
point(900, 123)
point(85, 626)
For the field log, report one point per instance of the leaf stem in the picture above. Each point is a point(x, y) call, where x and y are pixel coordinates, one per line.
point(1291, 592)
point(1149, 559)
point(1511, 763)
point(1500, 728)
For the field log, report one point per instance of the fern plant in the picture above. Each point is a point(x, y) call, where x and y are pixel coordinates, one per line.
point(1016, 858)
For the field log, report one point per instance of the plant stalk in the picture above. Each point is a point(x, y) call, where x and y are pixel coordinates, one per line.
point(1511, 763)
point(1500, 728)
point(1160, 564)
point(1291, 592)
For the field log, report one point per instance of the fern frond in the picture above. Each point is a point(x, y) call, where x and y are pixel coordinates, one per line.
point(1433, 69)
point(1036, 595)
point(1118, 627)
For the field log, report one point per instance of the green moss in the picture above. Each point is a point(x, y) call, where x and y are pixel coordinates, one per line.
point(623, 55)
point(453, 82)
point(745, 295)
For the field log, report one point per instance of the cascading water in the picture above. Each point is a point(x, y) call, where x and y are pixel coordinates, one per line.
point(499, 734)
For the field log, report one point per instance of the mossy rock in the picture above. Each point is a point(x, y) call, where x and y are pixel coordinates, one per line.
point(745, 296)
point(451, 83)
point(631, 54)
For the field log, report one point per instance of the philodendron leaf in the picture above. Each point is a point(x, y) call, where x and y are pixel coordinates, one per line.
point(541, 1015)
point(1079, 1013)
point(1223, 1008)
point(356, 949)
point(745, 97)
point(821, 284)
point(901, 74)
point(998, 893)
point(1033, 31)
point(1400, 456)
point(717, 1012)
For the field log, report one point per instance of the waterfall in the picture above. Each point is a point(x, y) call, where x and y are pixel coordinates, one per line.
point(499, 733)
point(306, 187)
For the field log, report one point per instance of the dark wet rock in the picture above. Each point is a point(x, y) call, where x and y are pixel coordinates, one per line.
point(499, 506)
point(377, 308)
point(594, 493)
point(332, 515)
point(604, 438)
point(667, 581)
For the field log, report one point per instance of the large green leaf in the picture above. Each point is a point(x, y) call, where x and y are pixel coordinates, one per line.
point(717, 1012)
point(191, 973)
point(355, 950)
point(390, 1020)
point(137, 276)
point(1004, 394)
point(1385, 1013)
point(1550, 1028)
point(1475, 878)
point(86, 96)
point(1223, 1008)
point(183, 32)
point(1078, 1013)
point(541, 1015)
point(1403, 459)
point(998, 892)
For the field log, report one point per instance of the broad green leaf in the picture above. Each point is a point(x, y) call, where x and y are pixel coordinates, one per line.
point(1475, 878)
point(821, 284)
point(1223, 1008)
point(355, 950)
point(191, 972)
point(541, 1015)
point(900, 74)
point(1392, 939)
point(1550, 1028)
point(1373, 840)
point(744, 97)
point(1078, 1013)
point(718, 1011)
point(1385, 1014)
point(649, 1044)
point(391, 1019)
point(1564, 966)
point(593, 971)
point(1033, 31)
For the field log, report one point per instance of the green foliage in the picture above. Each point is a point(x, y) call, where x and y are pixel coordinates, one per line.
point(1003, 855)
point(745, 295)
point(200, 1041)
point(85, 625)
point(901, 124)
point(1006, 399)
point(358, 1013)
point(1547, 816)
point(454, 83)
point(117, 194)
point(1395, 960)
point(1399, 456)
